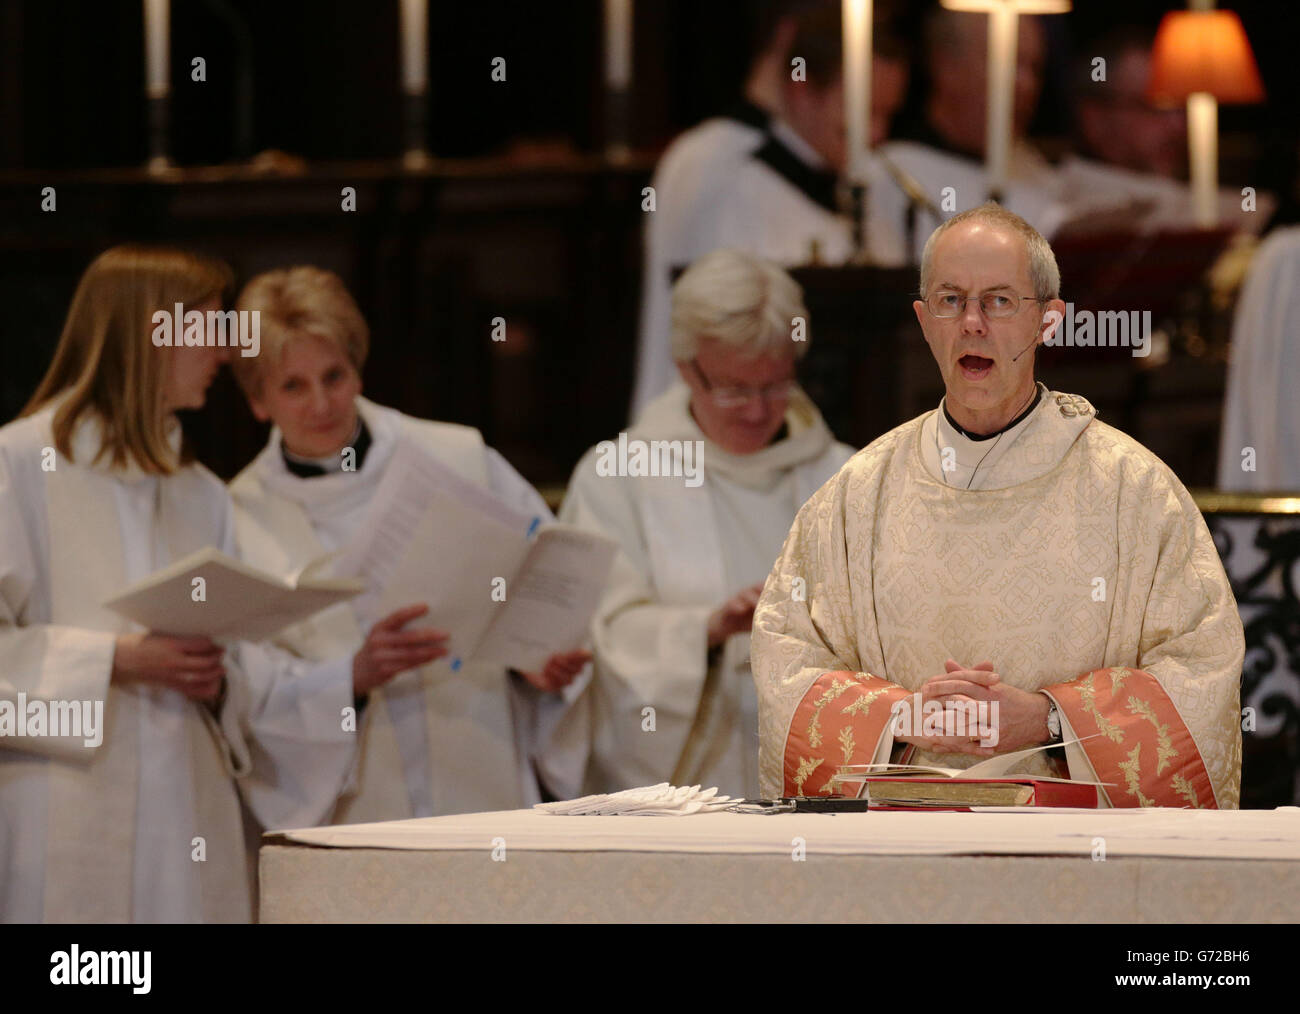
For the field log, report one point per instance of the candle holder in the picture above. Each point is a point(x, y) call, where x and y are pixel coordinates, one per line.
point(413, 27)
point(618, 116)
point(618, 23)
point(158, 117)
point(415, 122)
point(857, 200)
point(157, 82)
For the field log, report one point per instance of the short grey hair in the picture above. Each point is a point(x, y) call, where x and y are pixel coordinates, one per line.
point(1044, 274)
point(741, 300)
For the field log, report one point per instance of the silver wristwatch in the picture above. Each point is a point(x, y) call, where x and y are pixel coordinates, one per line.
point(1053, 722)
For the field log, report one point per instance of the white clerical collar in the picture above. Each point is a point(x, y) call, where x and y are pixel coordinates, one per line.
point(338, 491)
point(806, 153)
point(331, 462)
point(964, 459)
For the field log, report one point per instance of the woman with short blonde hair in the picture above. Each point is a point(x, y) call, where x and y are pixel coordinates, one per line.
point(449, 738)
point(299, 301)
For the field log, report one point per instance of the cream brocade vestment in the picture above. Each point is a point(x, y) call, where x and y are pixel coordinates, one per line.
point(1078, 564)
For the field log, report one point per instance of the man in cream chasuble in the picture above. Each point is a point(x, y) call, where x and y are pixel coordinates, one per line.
point(1008, 548)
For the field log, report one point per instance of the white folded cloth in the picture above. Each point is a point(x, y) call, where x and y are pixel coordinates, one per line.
point(662, 800)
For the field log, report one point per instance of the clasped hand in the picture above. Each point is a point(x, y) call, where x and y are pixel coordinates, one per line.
point(1019, 719)
point(193, 666)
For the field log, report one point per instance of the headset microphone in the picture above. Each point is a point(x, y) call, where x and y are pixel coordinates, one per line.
point(1031, 344)
point(1025, 349)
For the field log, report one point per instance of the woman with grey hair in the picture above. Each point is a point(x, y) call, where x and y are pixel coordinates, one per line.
point(699, 494)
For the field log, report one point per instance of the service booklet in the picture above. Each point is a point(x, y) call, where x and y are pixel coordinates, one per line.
point(506, 587)
point(208, 593)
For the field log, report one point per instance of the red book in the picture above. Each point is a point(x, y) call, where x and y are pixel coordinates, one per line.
point(921, 792)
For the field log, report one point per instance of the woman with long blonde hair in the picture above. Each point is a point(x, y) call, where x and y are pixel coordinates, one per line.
point(119, 748)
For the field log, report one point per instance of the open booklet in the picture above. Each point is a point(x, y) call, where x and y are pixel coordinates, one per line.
point(991, 782)
point(506, 587)
point(211, 594)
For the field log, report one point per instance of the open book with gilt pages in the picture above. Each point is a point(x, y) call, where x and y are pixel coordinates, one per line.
point(988, 783)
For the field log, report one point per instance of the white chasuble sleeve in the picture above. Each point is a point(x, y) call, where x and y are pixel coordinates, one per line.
point(42, 662)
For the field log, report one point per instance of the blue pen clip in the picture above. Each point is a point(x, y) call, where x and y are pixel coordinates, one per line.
point(532, 526)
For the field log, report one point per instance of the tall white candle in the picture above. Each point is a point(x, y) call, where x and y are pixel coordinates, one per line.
point(1003, 26)
point(618, 44)
point(1203, 149)
point(157, 47)
point(415, 46)
point(857, 85)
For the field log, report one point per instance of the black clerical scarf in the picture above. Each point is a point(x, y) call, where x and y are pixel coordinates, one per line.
point(818, 185)
point(746, 112)
point(310, 470)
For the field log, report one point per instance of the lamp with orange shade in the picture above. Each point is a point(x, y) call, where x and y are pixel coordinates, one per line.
point(1203, 57)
